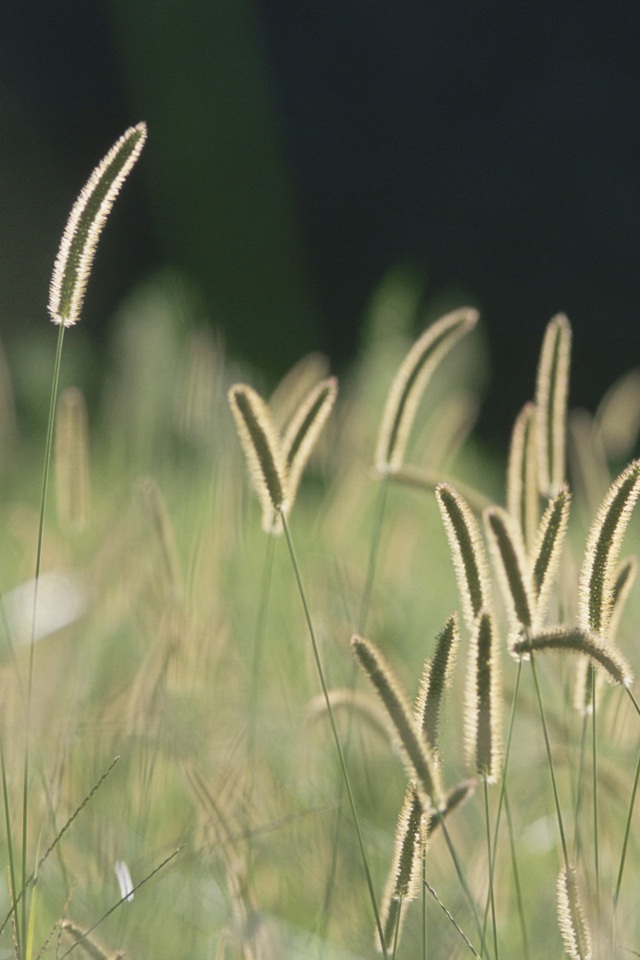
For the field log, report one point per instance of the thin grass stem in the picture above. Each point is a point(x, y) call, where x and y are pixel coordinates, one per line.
point(594, 775)
point(334, 731)
point(627, 832)
point(503, 785)
point(490, 860)
point(516, 880)
point(452, 920)
point(556, 796)
point(43, 502)
point(373, 553)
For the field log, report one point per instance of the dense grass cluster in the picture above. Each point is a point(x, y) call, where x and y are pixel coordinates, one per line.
point(348, 700)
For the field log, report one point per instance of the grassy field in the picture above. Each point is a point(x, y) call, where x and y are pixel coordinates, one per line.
point(172, 633)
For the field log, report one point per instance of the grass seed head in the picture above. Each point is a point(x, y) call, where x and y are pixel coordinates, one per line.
point(86, 220)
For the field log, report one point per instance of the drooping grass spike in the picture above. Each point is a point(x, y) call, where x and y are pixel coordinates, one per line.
point(419, 762)
point(86, 220)
point(263, 451)
point(598, 573)
point(574, 640)
point(467, 550)
point(483, 707)
point(410, 382)
point(552, 387)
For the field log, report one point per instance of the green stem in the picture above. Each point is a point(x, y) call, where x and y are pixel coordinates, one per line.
point(43, 502)
point(516, 880)
point(556, 797)
point(491, 865)
point(334, 730)
point(373, 554)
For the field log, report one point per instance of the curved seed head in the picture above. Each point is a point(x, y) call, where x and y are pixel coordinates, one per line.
point(304, 428)
point(598, 574)
point(403, 882)
point(411, 380)
point(574, 640)
point(575, 933)
point(263, 452)
point(415, 752)
point(86, 220)
point(509, 555)
point(548, 549)
point(552, 388)
point(467, 550)
point(522, 476)
point(483, 708)
point(436, 679)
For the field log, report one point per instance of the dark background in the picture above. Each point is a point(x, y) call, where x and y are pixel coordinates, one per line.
point(297, 151)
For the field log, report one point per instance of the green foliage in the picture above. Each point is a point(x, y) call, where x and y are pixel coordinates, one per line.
point(167, 633)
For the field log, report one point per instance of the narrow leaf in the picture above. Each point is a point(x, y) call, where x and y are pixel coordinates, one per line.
point(551, 404)
point(414, 749)
point(467, 550)
point(88, 215)
point(411, 380)
point(598, 574)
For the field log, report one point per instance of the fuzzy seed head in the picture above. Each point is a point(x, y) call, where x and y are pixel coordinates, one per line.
point(263, 452)
point(86, 220)
point(410, 383)
point(573, 928)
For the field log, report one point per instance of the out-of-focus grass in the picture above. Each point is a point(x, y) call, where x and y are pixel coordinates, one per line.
point(183, 593)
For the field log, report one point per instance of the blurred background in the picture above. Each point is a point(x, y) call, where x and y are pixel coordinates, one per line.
point(298, 152)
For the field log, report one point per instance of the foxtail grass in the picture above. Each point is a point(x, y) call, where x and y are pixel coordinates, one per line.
point(551, 405)
point(467, 550)
point(410, 382)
